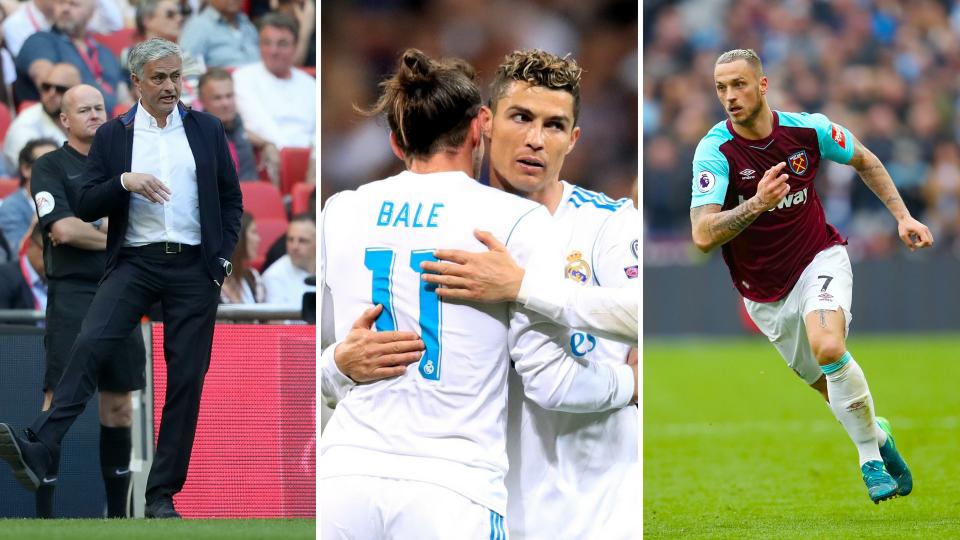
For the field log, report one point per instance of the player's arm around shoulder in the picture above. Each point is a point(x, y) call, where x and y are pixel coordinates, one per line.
point(914, 234)
point(555, 380)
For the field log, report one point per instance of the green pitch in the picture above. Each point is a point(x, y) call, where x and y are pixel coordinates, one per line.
point(736, 446)
point(142, 529)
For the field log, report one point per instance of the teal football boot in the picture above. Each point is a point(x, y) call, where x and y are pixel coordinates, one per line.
point(893, 461)
point(880, 485)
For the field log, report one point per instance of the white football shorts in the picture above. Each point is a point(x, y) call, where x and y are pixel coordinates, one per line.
point(826, 283)
point(374, 508)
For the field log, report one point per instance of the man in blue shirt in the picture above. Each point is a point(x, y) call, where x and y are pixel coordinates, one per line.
point(17, 210)
point(68, 42)
point(221, 35)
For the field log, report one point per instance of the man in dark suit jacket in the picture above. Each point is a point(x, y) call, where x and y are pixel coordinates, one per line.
point(164, 176)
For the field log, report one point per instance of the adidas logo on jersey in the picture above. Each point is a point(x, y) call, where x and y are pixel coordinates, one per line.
point(800, 197)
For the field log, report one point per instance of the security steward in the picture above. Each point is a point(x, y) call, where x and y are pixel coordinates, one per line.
point(75, 258)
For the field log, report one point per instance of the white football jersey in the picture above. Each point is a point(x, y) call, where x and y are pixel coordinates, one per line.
point(444, 420)
point(580, 465)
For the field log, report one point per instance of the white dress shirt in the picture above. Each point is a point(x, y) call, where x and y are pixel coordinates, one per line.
point(284, 283)
point(32, 123)
point(288, 117)
point(165, 153)
point(23, 23)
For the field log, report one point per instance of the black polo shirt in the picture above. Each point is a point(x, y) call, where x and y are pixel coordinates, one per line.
point(55, 185)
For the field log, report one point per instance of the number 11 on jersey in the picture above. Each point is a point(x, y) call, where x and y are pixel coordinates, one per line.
point(380, 261)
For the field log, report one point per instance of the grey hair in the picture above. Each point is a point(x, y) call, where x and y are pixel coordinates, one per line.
point(749, 55)
point(148, 51)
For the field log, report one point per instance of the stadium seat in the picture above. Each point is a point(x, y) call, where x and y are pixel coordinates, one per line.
point(300, 197)
point(262, 200)
point(24, 104)
point(269, 229)
point(119, 109)
point(117, 41)
point(8, 186)
point(293, 167)
point(5, 119)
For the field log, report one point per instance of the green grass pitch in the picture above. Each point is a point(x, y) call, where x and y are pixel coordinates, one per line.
point(736, 446)
point(144, 529)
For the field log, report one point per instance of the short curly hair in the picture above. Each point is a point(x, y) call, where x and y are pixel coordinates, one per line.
point(538, 68)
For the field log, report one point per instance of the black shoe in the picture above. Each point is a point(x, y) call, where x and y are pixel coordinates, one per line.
point(28, 459)
point(161, 509)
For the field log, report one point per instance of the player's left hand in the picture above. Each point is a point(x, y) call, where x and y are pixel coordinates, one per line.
point(914, 234)
point(492, 276)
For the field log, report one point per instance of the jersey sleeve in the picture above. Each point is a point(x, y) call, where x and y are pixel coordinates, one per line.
point(557, 381)
point(49, 193)
point(836, 142)
point(608, 311)
point(711, 172)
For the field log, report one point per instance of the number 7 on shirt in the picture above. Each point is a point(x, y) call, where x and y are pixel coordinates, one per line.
point(380, 261)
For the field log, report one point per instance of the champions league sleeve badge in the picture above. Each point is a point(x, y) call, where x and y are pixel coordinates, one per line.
point(577, 269)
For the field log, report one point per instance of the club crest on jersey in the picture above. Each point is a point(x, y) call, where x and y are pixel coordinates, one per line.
point(798, 162)
point(837, 133)
point(705, 181)
point(577, 269)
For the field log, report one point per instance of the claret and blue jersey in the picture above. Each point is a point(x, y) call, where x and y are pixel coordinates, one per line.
point(767, 258)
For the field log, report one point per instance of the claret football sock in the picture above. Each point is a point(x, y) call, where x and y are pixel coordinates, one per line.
point(852, 404)
point(115, 445)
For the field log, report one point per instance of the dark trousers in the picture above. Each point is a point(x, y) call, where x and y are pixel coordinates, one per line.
point(189, 298)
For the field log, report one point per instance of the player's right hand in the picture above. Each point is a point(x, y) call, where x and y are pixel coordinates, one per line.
point(147, 185)
point(367, 355)
point(773, 187)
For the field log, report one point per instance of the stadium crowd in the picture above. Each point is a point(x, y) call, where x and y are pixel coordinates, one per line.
point(885, 69)
point(361, 41)
point(251, 63)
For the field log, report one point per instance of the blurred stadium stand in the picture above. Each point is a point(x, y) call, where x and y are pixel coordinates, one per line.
point(361, 42)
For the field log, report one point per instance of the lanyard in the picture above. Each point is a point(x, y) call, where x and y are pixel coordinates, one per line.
point(92, 60)
point(33, 22)
point(26, 279)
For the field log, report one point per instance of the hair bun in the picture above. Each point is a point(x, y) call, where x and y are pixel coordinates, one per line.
point(417, 68)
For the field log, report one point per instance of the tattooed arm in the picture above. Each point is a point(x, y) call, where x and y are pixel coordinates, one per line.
point(713, 227)
point(913, 233)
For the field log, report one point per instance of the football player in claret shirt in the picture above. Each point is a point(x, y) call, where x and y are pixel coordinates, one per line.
point(753, 194)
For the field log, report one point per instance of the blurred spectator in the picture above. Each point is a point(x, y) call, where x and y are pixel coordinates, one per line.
point(68, 42)
point(108, 16)
point(221, 35)
point(942, 191)
point(886, 70)
point(305, 13)
point(32, 16)
point(217, 98)
point(42, 120)
point(164, 19)
point(23, 283)
point(244, 285)
point(284, 279)
point(290, 121)
point(18, 211)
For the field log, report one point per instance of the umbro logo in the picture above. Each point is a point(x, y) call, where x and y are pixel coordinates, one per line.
point(748, 174)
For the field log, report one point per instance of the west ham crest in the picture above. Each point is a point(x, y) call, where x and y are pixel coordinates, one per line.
point(798, 162)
